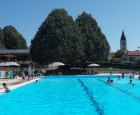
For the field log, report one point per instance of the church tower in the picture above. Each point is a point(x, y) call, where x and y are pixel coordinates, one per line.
point(123, 43)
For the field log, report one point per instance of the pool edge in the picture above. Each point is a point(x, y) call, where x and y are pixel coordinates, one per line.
point(2, 91)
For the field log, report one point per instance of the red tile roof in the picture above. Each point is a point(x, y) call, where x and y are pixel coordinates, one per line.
point(133, 53)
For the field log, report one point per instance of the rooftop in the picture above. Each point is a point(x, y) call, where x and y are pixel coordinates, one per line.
point(133, 53)
point(14, 51)
point(123, 36)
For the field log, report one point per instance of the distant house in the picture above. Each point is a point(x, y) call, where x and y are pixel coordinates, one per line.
point(132, 55)
point(111, 55)
point(128, 55)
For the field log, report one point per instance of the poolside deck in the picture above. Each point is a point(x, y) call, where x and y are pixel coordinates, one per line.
point(14, 83)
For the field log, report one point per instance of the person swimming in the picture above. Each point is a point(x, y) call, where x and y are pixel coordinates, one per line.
point(133, 84)
point(108, 79)
point(5, 87)
point(130, 81)
point(111, 80)
point(119, 77)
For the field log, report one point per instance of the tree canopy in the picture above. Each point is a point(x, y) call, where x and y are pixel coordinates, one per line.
point(96, 46)
point(60, 38)
point(13, 39)
point(1, 39)
point(118, 54)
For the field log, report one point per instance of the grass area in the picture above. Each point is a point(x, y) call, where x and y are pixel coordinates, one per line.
point(107, 70)
point(115, 70)
point(78, 71)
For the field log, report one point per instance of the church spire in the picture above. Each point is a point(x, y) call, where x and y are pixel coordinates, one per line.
point(123, 43)
point(123, 36)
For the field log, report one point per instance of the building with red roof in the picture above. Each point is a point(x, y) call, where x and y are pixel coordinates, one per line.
point(132, 55)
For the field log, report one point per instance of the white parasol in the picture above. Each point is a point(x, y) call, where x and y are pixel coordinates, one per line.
point(55, 65)
point(9, 64)
point(93, 65)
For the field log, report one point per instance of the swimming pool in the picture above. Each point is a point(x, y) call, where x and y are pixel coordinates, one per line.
point(73, 95)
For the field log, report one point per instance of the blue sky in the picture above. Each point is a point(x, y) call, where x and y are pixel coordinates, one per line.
point(112, 16)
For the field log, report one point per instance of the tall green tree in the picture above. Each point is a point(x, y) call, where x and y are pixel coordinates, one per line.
point(96, 46)
point(58, 39)
point(1, 39)
point(118, 54)
point(13, 39)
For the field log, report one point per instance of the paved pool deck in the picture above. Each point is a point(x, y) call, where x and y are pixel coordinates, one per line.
point(15, 83)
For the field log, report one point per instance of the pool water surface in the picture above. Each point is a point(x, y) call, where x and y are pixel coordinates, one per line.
point(73, 95)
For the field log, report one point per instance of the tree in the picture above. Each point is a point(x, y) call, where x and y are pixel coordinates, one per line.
point(58, 39)
point(1, 39)
point(13, 39)
point(118, 54)
point(96, 46)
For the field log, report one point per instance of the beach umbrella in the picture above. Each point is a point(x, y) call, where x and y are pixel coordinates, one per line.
point(7, 64)
point(55, 65)
point(93, 65)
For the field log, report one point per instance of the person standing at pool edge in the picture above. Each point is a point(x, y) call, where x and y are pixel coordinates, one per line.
point(122, 74)
point(110, 71)
point(29, 72)
point(23, 74)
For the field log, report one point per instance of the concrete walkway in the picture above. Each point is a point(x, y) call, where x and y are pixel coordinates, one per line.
point(15, 83)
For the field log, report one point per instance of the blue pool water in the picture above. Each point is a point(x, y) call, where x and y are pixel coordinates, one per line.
point(71, 95)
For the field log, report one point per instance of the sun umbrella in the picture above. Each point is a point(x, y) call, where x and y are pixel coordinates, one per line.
point(9, 64)
point(55, 65)
point(93, 65)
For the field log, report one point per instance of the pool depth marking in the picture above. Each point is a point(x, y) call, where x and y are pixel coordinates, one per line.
point(122, 90)
point(94, 103)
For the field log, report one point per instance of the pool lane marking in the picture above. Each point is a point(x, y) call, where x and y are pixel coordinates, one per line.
point(93, 102)
point(122, 90)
